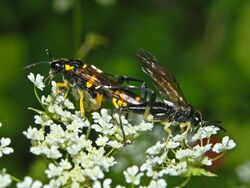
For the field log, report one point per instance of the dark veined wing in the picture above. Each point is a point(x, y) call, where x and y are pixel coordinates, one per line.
point(164, 80)
point(91, 75)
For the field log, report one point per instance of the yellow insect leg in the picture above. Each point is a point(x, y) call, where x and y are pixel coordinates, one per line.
point(81, 94)
point(146, 112)
point(63, 84)
point(99, 99)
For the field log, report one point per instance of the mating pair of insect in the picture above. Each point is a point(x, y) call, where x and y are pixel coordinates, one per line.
point(99, 85)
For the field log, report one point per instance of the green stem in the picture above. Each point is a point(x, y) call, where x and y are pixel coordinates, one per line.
point(77, 24)
point(54, 161)
point(208, 140)
point(219, 156)
point(38, 98)
point(201, 142)
point(15, 178)
point(88, 132)
point(110, 152)
point(35, 110)
point(184, 183)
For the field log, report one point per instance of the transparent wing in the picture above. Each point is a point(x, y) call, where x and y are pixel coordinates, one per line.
point(163, 79)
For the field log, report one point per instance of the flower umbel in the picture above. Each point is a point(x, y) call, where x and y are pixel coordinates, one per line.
point(82, 151)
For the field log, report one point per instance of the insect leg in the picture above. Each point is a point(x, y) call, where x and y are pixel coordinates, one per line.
point(81, 94)
point(99, 99)
point(168, 131)
point(119, 110)
point(122, 79)
point(64, 84)
point(144, 88)
point(149, 105)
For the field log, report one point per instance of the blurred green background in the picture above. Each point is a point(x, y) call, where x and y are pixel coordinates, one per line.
point(206, 44)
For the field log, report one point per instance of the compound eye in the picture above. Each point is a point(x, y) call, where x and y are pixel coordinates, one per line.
point(56, 67)
point(197, 117)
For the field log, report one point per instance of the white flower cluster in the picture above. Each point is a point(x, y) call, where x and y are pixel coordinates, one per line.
point(5, 179)
point(63, 136)
point(178, 156)
point(4, 143)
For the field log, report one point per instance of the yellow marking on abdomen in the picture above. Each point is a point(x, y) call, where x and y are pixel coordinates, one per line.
point(137, 98)
point(90, 82)
point(114, 101)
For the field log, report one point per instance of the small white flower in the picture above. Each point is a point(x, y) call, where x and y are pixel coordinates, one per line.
point(74, 149)
point(77, 174)
point(184, 153)
point(120, 186)
point(200, 150)
point(106, 184)
point(29, 183)
point(179, 137)
point(206, 161)
point(75, 184)
point(160, 183)
point(53, 184)
point(115, 144)
point(58, 110)
point(94, 173)
point(129, 129)
point(46, 100)
point(37, 150)
point(226, 144)
point(68, 104)
point(172, 144)
point(4, 142)
point(42, 120)
point(65, 164)
point(56, 135)
point(77, 123)
point(144, 126)
point(1, 124)
point(119, 117)
point(52, 152)
point(102, 140)
point(205, 132)
point(148, 165)
point(53, 171)
point(105, 128)
point(176, 169)
point(156, 149)
point(38, 80)
point(154, 174)
point(132, 175)
point(5, 180)
point(34, 134)
point(104, 117)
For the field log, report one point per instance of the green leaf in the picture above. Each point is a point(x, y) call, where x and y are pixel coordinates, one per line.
point(195, 171)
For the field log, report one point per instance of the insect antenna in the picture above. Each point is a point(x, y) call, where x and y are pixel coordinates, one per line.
point(42, 62)
point(49, 54)
point(35, 64)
